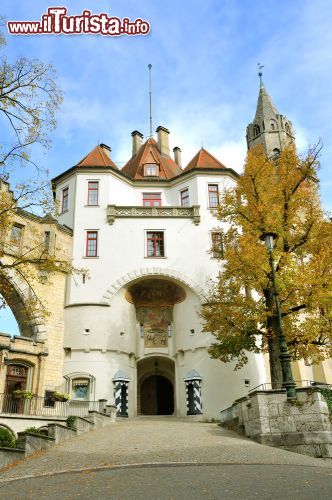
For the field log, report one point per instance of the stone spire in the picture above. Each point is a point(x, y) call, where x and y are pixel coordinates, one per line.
point(269, 128)
point(265, 107)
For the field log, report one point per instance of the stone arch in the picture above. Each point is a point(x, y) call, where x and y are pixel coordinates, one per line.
point(19, 296)
point(151, 272)
point(273, 125)
point(257, 130)
point(287, 128)
point(153, 371)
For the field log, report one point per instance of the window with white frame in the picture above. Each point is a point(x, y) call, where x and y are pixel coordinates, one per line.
point(93, 193)
point(155, 243)
point(184, 195)
point(151, 170)
point(213, 191)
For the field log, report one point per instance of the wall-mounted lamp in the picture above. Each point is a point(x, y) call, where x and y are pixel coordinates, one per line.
point(141, 330)
point(122, 333)
point(86, 331)
point(169, 329)
point(192, 331)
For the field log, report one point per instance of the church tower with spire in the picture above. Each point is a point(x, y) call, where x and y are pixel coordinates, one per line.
point(269, 128)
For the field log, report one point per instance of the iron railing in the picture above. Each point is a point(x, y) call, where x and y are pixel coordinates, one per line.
point(299, 384)
point(46, 407)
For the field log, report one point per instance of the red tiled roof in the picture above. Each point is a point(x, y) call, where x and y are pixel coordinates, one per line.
point(98, 157)
point(148, 153)
point(204, 159)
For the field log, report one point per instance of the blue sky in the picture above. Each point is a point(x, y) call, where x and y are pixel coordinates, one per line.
point(204, 55)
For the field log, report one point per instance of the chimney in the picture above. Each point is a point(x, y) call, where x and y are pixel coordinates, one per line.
point(106, 149)
point(163, 140)
point(177, 156)
point(137, 141)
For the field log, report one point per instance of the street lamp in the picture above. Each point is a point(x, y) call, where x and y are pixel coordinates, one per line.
point(285, 358)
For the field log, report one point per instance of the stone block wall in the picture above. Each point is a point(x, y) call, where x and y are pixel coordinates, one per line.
point(301, 425)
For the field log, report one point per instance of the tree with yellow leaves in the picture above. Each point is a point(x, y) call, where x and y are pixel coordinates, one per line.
point(276, 195)
point(29, 99)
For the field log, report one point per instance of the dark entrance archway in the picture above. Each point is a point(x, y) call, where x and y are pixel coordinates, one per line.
point(157, 396)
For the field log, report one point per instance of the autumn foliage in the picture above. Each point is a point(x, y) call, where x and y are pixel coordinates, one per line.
point(277, 195)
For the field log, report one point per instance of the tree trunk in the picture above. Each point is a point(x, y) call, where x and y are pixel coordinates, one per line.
point(273, 342)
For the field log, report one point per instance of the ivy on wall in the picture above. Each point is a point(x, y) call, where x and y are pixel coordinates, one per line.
point(327, 393)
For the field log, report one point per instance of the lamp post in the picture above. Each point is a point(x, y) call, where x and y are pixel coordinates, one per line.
point(285, 358)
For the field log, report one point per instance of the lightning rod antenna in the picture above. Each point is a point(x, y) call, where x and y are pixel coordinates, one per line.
point(150, 97)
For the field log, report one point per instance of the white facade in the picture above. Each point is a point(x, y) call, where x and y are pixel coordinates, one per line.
point(103, 334)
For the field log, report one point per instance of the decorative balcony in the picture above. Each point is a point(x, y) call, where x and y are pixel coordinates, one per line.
point(121, 212)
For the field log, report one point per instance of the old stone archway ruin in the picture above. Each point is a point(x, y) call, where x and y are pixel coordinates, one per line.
point(24, 304)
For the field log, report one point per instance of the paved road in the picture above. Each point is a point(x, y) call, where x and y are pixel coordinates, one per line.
point(166, 458)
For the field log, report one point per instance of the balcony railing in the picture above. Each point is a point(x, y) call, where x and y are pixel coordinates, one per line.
point(130, 212)
point(45, 407)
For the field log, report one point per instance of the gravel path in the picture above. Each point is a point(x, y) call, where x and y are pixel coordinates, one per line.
point(154, 440)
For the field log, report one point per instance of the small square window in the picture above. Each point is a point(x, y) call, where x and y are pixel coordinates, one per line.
point(185, 198)
point(151, 199)
point(93, 193)
point(151, 170)
point(213, 196)
point(65, 200)
point(217, 249)
point(81, 388)
point(91, 244)
point(155, 244)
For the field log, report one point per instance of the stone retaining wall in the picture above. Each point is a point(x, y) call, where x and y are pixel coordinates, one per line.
point(28, 443)
point(301, 425)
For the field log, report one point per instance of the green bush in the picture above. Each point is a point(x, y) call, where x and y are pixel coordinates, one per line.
point(34, 430)
point(7, 439)
point(71, 421)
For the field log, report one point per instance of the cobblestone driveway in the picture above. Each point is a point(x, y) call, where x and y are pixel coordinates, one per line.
point(154, 440)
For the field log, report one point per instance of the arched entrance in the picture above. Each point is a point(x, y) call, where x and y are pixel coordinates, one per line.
point(157, 396)
point(155, 386)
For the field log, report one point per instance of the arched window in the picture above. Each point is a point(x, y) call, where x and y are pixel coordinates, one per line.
point(273, 125)
point(256, 130)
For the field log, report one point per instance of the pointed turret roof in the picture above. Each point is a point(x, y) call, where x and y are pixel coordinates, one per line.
point(149, 153)
point(98, 157)
point(265, 107)
point(204, 159)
